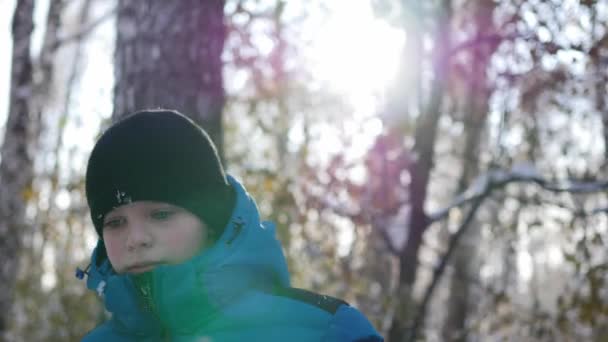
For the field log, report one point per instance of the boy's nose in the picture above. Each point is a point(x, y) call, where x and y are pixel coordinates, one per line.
point(138, 237)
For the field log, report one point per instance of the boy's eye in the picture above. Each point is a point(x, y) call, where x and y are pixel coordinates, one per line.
point(114, 223)
point(162, 214)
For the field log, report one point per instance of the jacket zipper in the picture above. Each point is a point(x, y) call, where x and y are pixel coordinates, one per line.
point(145, 288)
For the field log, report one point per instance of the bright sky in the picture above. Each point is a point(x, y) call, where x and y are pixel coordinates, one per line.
point(6, 10)
point(355, 53)
point(352, 53)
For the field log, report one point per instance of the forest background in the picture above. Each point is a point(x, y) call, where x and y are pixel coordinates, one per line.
point(439, 164)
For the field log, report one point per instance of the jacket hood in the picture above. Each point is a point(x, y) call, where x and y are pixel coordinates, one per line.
point(181, 298)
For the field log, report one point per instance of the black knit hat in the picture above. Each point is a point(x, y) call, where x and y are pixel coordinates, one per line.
point(158, 155)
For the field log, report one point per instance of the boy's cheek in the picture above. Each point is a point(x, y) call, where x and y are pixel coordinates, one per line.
point(178, 241)
point(114, 252)
point(186, 244)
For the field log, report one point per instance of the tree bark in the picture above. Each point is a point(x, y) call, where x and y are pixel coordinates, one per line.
point(424, 147)
point(601, 77)
point(16, 169)
point(168, 54)
point(476, 115)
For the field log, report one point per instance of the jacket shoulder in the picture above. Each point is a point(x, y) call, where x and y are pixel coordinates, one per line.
point(326, 303)
point(105, 332)
point(346, 323)
point(349, 324)
point(100, 333)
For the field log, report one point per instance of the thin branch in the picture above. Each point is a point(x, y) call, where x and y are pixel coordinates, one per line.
point(387, 240)
point(343, 211)
point(77, 36)
point(492, 292)
point(454, 239)
point(494, 39)
point(83, 16)
point(592, 212)
point(498, 179)
point(477, 199)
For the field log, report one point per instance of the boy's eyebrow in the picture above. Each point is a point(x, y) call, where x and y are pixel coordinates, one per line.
point(110, 217)
point(161, 205)
point(165, 206)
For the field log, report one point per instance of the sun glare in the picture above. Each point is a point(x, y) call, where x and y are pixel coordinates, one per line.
point(355, 53)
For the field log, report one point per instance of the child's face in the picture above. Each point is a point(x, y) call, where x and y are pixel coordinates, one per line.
point(141, 235)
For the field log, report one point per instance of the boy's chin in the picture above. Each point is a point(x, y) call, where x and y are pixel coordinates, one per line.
point(140, 270)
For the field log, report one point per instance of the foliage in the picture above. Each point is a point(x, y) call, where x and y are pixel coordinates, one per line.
point(533, 71)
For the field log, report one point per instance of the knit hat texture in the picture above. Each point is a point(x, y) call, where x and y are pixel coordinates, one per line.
point(158, 155)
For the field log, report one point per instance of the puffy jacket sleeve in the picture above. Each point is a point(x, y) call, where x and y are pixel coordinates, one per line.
point(350, 325)
point(106, 332)
point(101, 333)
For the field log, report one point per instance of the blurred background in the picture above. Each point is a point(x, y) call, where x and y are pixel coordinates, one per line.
point(439, 164)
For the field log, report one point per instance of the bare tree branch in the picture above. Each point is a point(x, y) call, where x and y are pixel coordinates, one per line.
point(419, 318)
point(496, 180)
point(388, 241)
point(494, 39)
point(499, 179)
point(592, 212)
point(78, 36)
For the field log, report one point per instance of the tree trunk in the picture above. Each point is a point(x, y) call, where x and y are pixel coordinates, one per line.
point(424, 146)
point(476, 115)
point(168, 54)
point(465, 255)
point(16, 169)
point(601, 78)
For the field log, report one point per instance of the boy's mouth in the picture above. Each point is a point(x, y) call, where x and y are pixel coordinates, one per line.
point(141, 268)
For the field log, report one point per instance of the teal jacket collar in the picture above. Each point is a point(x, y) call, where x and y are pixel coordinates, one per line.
point(182, 298)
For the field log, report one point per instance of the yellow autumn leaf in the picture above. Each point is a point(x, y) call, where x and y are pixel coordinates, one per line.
point(28, 193)
point(268, 184)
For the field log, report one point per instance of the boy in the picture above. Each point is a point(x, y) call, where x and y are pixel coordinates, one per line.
point(182, 254)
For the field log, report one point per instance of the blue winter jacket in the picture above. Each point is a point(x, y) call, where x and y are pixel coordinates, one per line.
point(237, 290)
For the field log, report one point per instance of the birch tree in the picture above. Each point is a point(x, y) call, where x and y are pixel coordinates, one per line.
point(16, 170)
